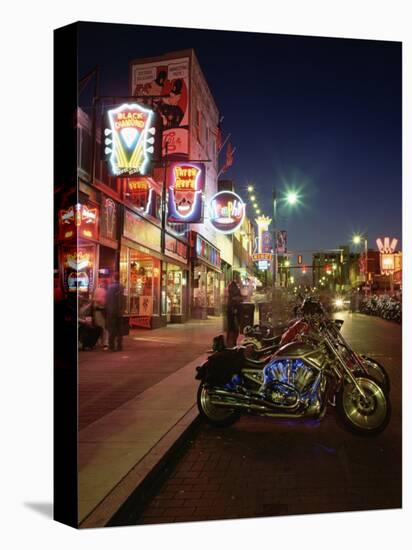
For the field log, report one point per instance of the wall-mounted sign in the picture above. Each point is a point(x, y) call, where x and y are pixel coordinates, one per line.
point(206, 251)
point(387, 262)
point(78, 269)
point(263, 265)
point(267, 241)
point(388, 245)
point(139, 230)
point(226, 211)
point(166, 83)
point(262, 256)
point(282, 242)
point(79, 220)
point(185, 187)
point(139, 192)
point(129, 139)
point(175, 248)
point(108, 221)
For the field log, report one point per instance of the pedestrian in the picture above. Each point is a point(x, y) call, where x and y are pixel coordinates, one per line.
point(89, 333)
point(233, 299)
point(99, 312)
point(114, 313)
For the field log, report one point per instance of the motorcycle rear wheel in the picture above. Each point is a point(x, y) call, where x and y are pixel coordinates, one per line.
point(214, 415)
point(368, 416)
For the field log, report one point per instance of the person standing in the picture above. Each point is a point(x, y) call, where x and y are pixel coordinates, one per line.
point(234, 298)
point(99, 312)
point(114, 313)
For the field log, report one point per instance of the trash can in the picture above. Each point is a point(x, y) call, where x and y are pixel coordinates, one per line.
point(265, 313)
point(246, 315)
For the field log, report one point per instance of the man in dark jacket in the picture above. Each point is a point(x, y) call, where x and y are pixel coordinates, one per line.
point(233, 299)
point(114, 313)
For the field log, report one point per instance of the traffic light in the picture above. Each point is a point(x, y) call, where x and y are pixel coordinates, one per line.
point(299, 259)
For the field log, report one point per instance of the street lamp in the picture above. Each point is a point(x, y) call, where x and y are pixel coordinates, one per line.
point(291, 198)
point(357, 239)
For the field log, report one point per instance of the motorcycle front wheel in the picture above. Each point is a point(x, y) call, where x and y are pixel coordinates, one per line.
point(376, 371)
point(367, 415)
point(213, 414)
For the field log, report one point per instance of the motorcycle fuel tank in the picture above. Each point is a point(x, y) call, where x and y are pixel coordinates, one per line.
point(294, 349)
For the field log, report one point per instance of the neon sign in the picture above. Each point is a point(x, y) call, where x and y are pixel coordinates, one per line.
point(129, 140)
point(226, 211)
point(80, 219)
point(185, 186)
point(108, 219)
point(78, 269)
point(139, 192)
point(387, 248)
point(262, 256)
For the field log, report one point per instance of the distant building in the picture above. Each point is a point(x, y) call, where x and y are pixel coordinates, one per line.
point(335, 270)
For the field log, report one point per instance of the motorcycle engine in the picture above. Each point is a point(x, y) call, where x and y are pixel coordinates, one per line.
point(293, 373)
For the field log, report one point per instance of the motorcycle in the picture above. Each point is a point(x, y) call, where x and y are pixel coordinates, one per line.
point(298, 381)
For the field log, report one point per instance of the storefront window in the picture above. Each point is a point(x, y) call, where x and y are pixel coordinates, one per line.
point(140, 275)
point(200, 286)
point(174, 290)
point(213, 292)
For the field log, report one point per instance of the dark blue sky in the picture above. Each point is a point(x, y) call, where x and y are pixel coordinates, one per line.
point(320, 114)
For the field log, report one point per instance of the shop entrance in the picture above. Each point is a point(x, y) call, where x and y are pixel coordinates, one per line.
point(140, 275)
point(175, 293)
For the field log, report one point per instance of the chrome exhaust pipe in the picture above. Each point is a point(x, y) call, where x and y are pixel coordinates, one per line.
point(227, 398)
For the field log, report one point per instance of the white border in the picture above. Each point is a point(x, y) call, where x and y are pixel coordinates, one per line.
point(26, 41)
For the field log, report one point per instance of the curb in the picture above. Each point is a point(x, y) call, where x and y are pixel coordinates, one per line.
point(131, 493)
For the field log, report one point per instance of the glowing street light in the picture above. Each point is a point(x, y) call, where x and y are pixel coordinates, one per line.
point(357, 239)
point(250, 188)
point(292, 197)
point(252, 197)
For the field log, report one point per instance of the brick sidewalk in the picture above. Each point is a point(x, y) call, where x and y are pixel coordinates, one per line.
point(107, 380)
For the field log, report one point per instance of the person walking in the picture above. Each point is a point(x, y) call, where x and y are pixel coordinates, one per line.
point(99, 312)
point(114, 313)
point(233, 299)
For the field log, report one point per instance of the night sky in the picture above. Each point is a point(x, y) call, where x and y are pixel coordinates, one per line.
point(322, 115)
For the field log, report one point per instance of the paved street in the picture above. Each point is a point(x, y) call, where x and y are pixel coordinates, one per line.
point(107, 379)
point(265, 467)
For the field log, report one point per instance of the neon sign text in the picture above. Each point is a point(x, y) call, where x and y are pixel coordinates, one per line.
point(227, 211)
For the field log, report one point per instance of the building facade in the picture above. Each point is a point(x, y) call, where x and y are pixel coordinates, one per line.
point(171, 268)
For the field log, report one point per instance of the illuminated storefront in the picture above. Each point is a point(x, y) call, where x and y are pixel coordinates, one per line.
point(155, 283)
point(175, 279)
point(78, 227)
point(139, 269)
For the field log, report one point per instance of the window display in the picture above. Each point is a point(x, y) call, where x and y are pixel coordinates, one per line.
point(139, 273)
point(174, 290)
